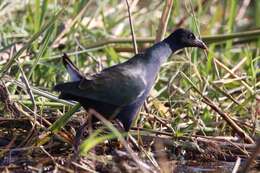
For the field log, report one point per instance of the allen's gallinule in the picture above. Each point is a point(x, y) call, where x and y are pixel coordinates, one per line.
point(119, 91)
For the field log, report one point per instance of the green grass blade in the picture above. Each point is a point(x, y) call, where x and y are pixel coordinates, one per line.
point(230, 26)
point(42, 50)
point(88, 144)
point(37, 14)
point(94, 140)
point(62, 121)
point(43, 10)
point(28, 44)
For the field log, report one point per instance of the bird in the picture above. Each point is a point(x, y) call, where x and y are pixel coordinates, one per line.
point(118, 92)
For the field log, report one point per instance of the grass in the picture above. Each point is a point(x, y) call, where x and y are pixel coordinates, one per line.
point(97, 34)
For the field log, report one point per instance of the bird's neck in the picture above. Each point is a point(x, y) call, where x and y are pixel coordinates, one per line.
point(160, 52)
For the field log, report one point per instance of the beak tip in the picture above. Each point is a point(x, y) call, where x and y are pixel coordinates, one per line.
point(202, 45)
point(205, 47)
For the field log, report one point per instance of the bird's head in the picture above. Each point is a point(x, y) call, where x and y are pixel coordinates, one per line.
point(182, 38)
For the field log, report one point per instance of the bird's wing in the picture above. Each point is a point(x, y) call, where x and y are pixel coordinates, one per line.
point(119, 85)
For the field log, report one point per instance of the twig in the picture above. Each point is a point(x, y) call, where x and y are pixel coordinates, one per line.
point(252, 158)
point(131, 26)
point(143, 166)
point(242, 11)
point(38, 91)
point(150, 157)
point(164, 20)
point(225, 93)
point(8, 104)
point(27, 88)
point(225, 143)
point(229, 120)
point(61, 134)
point(207, 39)
point(229, 80)
point(236, 167)
point(234, 69)
point(48, 154)
point(237, 98)
point(225, 116)
point(83, 167)
point(233, 74)
point(242, 149)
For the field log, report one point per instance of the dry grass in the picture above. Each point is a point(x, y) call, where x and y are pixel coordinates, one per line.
point(203, 113)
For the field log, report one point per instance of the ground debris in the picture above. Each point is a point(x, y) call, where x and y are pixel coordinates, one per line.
point(181, 154)
point(8, 105)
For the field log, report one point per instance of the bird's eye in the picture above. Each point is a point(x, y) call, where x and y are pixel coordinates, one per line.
point(191, 36)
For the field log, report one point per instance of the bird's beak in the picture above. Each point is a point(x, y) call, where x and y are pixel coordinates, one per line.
point(199, 43)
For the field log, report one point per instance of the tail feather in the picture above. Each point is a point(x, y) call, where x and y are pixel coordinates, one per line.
point(73, 71)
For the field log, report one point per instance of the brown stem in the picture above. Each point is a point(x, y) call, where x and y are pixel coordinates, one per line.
point(131, 27)
point(164, 20)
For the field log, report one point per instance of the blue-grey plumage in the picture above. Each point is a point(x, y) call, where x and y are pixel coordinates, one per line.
point(123, 88)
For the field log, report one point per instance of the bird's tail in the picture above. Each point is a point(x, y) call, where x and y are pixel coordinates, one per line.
point(73, 71)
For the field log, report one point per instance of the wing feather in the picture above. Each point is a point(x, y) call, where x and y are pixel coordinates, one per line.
point(118, 85)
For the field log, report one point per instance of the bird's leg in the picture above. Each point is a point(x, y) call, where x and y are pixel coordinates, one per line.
point(122, 129)
point(79, 134)
point(120, 125)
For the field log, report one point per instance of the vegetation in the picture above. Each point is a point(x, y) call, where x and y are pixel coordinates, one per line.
point(205, 106)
